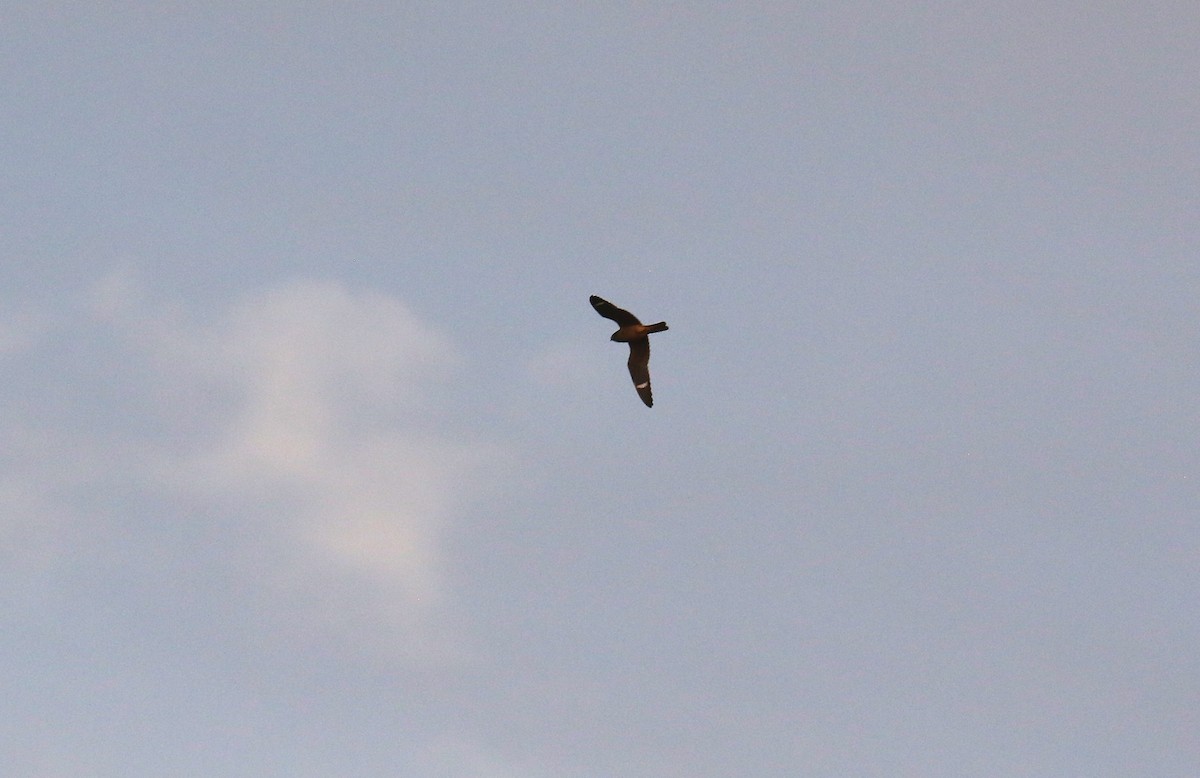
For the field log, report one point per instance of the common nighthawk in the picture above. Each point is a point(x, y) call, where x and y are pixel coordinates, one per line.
point(635, 334)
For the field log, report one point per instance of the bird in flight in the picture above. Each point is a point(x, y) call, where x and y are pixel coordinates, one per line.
point(635, 334)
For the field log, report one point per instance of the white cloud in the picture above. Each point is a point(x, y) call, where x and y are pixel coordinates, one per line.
point(313, 365)
point(302, 415)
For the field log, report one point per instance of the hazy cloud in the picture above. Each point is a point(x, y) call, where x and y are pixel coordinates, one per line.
point(298, 415)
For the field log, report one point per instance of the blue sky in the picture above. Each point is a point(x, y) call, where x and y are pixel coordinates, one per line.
point(314, 459)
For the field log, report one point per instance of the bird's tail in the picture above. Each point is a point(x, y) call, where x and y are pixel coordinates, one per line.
point(662, 325)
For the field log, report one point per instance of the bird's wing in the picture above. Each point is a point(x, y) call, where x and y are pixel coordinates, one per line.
point(639, 369)
point(610, 311)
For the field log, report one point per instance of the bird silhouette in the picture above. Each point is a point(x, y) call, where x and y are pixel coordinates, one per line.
point(633, 332)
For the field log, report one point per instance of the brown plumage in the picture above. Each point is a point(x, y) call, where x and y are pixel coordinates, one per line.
point(634, 333)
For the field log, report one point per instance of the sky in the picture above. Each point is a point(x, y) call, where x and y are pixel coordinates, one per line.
point(315, 461)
